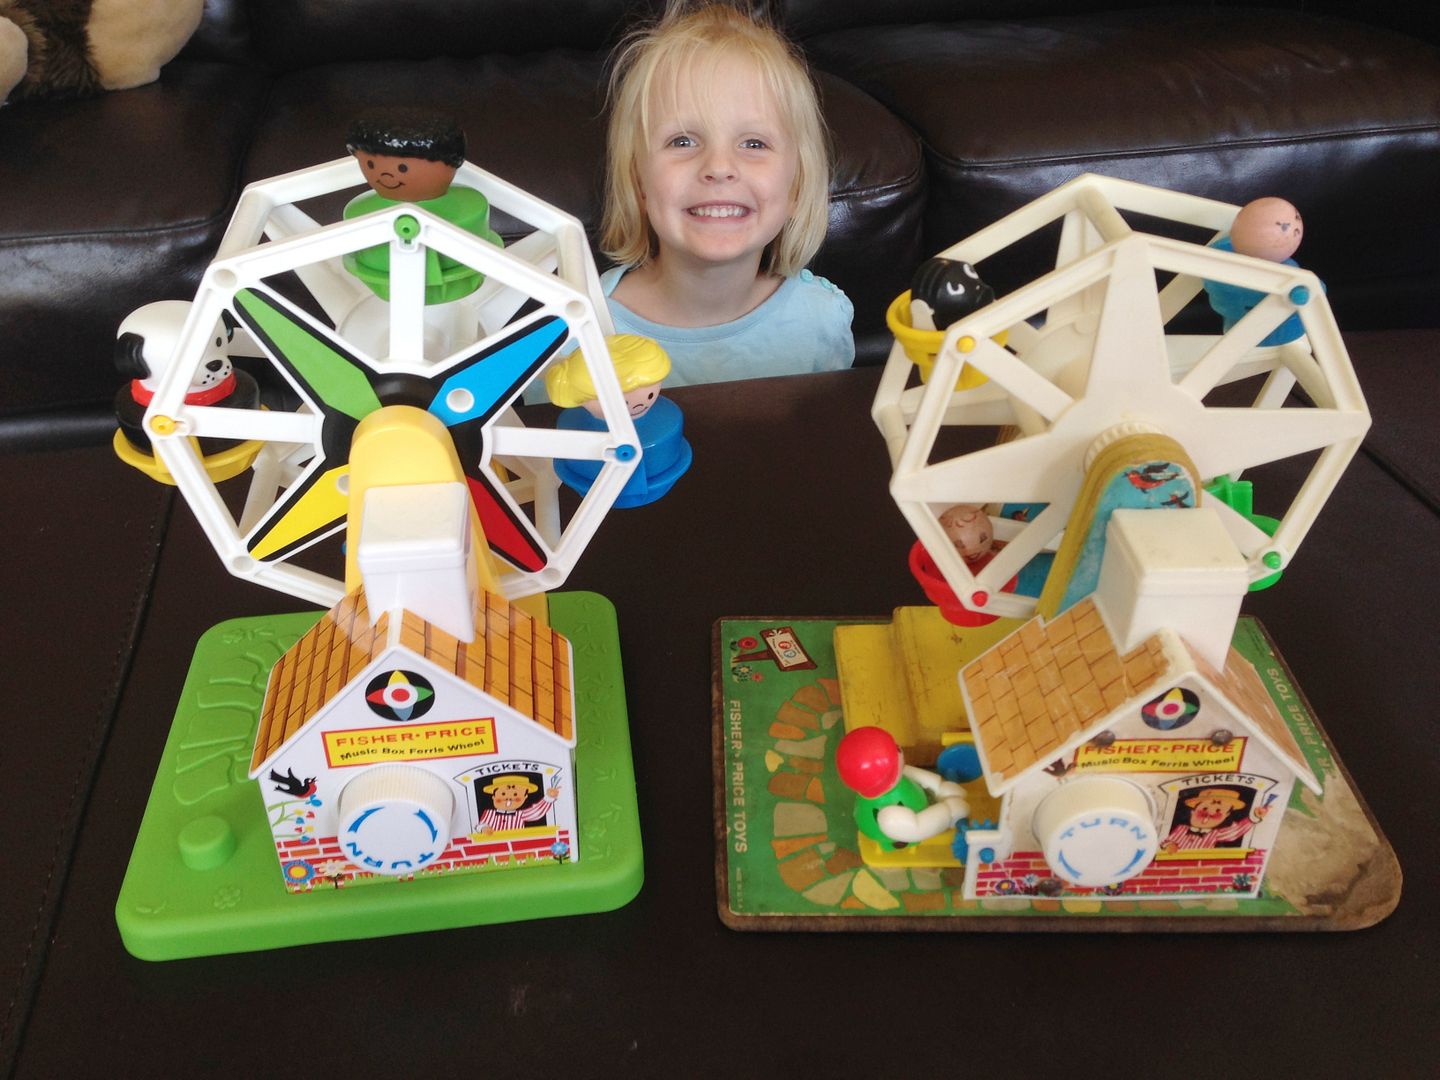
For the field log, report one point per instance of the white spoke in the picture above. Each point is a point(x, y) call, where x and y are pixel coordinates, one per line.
point(1031, 469)
point(1032, 540)
point(1129, 351)
point(1232, 347)
point(218, 422)
point(546, 443)
point(1235, 439)
point(1008, 371)
point(407, 303)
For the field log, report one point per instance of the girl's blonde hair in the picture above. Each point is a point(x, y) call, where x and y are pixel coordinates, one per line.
point(692, 44)
point(639, 361)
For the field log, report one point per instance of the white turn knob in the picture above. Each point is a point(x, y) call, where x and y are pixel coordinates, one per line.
point(1096, 830)
point(395, 819)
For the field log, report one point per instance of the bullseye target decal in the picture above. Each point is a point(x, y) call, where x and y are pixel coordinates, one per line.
point(1172, 709)
point(399, 695)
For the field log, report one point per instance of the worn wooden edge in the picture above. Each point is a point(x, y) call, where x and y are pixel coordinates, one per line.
point(1385, 880)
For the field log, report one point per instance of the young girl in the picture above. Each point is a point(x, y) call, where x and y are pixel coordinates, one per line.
point(717, 191)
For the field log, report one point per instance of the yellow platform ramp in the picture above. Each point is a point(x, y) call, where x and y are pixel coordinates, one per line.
point(903, 676)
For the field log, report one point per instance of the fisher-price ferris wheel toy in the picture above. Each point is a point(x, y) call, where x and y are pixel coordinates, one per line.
point(347, 346)
point(411, 758)
point(1088, 358)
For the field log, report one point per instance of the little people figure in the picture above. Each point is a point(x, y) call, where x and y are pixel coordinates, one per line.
point(717, 196)
point(896, 804)
point(411, 156)
point(640, 365)
point(1271, 229)
point(969, 529)
point(944, 290)
point(144, 349)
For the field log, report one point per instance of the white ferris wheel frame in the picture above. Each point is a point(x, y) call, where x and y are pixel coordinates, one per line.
point(1101, 362)
point(269, 234)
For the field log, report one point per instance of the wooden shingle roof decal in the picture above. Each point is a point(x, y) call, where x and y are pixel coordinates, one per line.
point(1049, 686)
point(1045, 685)
point(515, 659)
point(314, 669)
point(1240, 682)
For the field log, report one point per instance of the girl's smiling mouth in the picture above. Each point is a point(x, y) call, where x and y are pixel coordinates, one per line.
point(719, 210)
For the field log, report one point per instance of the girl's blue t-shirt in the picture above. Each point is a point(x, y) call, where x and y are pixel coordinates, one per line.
point(803, 326)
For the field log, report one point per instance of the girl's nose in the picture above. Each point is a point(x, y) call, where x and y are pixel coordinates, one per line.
point(719, 167)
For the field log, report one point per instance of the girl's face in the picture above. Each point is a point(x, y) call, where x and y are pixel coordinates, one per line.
point(717, 174)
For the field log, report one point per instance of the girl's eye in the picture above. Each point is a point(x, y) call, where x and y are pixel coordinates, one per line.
point(754, 144)
point(682, 142)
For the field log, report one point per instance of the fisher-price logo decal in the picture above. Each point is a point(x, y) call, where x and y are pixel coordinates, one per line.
point(1162, 755)
point(399, 695)
point(421, 742)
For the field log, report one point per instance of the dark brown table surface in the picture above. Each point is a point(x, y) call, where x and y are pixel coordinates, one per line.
point(785, 511)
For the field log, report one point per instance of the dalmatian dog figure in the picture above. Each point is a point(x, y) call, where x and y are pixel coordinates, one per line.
point(145, 345)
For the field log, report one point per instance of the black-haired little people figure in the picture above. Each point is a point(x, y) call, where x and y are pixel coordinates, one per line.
point(411, 156)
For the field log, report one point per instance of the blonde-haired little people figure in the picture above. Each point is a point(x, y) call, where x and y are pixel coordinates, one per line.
point(717, 197)
point(640, 366)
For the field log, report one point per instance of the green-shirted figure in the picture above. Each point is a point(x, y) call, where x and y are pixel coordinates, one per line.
point(411, 156)
point(895, 804)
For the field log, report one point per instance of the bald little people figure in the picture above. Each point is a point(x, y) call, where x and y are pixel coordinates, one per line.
point(717, 196)
point(1268, 228)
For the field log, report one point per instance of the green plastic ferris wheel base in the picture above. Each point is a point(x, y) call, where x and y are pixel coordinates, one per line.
point(203, 878)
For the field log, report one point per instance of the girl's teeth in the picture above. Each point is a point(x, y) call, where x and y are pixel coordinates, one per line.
point(717, 211)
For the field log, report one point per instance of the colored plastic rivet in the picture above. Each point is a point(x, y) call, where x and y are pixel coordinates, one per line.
point(460, 401)
point(1299, 296)
point(625, 452)
point(980, 598)
point(1273, 560)
point(162, 425)
point(966, 344)
point(987, 854)
point(406, 227)
point(206, 842)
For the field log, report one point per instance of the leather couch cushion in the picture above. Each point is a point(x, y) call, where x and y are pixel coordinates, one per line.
point(1227, 104)
point(110, 203)
point(295, 35)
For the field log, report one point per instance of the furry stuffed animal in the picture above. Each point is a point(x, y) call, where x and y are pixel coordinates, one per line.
point(74, 48)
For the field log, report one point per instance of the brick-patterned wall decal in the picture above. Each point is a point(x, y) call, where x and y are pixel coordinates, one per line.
point(310, 863)
point(1026, 873)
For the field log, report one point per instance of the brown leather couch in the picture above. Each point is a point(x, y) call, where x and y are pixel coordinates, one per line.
point(945, 115)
